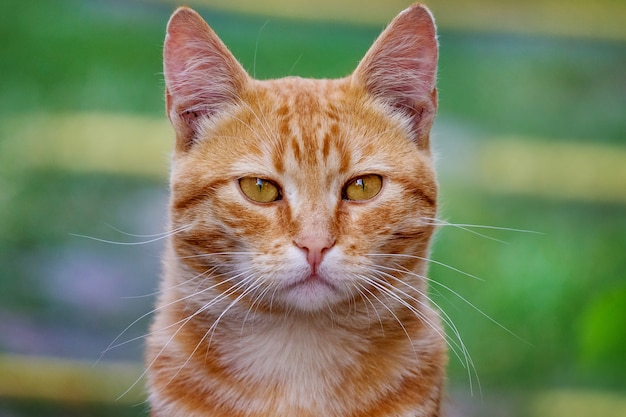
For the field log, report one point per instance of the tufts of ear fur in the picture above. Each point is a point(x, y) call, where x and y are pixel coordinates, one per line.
point(400, 69)
point(201, 75)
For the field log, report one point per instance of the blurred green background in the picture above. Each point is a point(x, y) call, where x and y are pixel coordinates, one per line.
point(531, 135)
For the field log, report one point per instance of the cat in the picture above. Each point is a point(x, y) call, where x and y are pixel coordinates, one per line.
point(301, 210)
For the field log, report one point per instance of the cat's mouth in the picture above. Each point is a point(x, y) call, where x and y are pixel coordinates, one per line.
point(312, 282)
point(311, 293)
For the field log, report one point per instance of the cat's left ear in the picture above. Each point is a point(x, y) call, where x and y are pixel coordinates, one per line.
point(400, 70)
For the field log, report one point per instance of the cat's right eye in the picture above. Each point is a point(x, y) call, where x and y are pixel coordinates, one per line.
point(259, 189)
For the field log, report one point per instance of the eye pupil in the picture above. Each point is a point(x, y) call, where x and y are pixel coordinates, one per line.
point(259, 183)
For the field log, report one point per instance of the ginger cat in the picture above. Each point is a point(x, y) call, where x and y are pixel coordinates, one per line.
point(301, 215)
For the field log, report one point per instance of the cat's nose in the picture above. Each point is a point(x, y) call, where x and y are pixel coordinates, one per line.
point(315, 247)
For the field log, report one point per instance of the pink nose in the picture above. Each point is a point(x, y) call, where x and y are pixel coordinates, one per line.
point(315, 247)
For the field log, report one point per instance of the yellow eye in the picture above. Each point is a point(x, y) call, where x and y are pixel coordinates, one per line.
point(259, 190)
point(363, 188)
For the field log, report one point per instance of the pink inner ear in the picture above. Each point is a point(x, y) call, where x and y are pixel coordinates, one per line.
point(201, 75)
point(192, 118)
point(400, 69)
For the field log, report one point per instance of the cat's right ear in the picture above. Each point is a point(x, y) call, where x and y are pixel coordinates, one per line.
point(201, 75)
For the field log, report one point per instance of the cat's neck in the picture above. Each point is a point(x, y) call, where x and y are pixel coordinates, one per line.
point(304, 359)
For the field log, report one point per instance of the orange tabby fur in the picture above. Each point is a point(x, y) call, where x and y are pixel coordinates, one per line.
point(311, 305)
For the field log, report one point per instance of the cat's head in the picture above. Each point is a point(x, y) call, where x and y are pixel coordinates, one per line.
point(295, 193)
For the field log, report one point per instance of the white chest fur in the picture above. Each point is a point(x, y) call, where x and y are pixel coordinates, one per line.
point(304, 360)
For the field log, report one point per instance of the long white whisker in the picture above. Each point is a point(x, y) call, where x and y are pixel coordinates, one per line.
point(468, 303)
point(467, 362)
point(482, 226)
point(144, 242)
point(255, 304)
point(468, 228)
point(208, 255)
point(364, 288)
point(360, 288)
point(294, 65)
point(184, 322)
point(251, 286)
point(404, 255)
point(256, 47)
point(161, 234)
point(382, 286)
point(213, 327)
point(180, 284)
point(113, 345)
point(412, 308)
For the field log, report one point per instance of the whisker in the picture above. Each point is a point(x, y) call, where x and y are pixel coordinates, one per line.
point(404, 270)
point(410, 307)
point(294, 65)
point(468, 228)
point(256, 47)
point(382, 286)
point(430, 260)
point(184, 322)
point(360, 288)
point(364, 288)
point(467, 361)
point(251, 286)
point(213, 327)
point(159, 354)
point(161, 234)
point(255, 302)
point(164, 290)
point(144, 242)
point(480, 226)
point(487, 316)
point(113, 344)
point(208, 255)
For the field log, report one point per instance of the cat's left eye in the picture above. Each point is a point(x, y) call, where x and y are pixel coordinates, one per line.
point(259, 189)
point(363, 188)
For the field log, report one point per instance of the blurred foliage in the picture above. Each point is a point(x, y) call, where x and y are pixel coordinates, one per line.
point(551, 290)
point(562, 293)
point(96, 55)
point(76, 409)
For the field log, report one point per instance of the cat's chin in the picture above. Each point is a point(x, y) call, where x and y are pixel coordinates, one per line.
point(311, 293)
